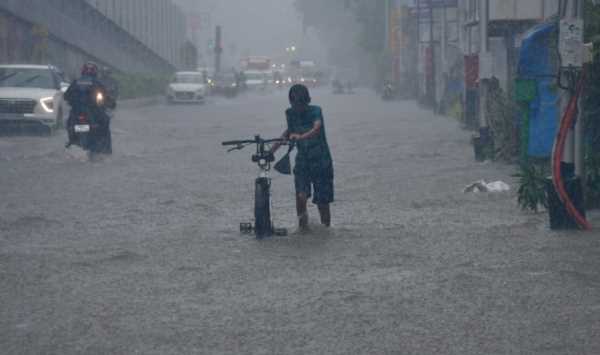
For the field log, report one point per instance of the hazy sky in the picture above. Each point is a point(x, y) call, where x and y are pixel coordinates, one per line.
point(257, 27)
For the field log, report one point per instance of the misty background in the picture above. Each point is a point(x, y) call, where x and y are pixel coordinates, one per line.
point(254, 28)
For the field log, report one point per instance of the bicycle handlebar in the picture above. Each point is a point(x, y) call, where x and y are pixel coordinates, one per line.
point(256, 140)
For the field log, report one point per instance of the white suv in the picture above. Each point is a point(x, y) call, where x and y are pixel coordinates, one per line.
point(32, 95)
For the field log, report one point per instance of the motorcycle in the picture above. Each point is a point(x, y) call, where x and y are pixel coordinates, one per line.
point(263, 223)
point(389, 92)
point(89, 125)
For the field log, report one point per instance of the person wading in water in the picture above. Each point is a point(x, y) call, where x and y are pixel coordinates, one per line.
point(313, 171)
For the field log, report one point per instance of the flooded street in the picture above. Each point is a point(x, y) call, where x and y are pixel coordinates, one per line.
point(140, 252)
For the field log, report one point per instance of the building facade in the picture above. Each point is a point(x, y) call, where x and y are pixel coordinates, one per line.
point(158, 24)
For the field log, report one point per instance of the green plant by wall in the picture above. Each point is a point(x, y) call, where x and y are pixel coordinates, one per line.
point(532, 186)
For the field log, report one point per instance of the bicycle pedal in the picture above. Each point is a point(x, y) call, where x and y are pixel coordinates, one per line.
point(246, 228)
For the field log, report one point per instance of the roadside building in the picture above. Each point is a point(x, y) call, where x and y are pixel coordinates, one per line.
point(158, 24)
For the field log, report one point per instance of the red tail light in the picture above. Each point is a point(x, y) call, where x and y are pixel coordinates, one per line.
point(82, 119)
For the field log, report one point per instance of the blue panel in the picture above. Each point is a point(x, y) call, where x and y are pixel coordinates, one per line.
point(543, 122)
point(535, 62)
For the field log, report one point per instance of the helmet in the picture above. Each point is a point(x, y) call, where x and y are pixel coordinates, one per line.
point(299, 95)
point(89, 69)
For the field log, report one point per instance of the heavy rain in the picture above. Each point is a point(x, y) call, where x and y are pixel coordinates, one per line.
point(299, 177)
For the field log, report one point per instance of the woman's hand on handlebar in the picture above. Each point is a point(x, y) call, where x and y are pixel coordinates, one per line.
point(285, 135)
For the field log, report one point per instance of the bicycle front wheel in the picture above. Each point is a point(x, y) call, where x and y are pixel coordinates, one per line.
point(262, 209)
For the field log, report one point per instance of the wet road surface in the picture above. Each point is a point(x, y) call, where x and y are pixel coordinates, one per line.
point(140, 252)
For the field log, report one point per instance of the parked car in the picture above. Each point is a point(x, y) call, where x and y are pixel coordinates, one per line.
point(32, 95)
point(187, 87)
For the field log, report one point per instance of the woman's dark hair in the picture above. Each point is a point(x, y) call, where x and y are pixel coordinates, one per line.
point(299, 95)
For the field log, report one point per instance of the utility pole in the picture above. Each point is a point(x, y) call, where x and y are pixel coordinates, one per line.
point(431, 82)
point(386, 37)
point(418, 2)
point(444, 46)
point(571, 17)
point(218, 49)
point(571, 167)
point(485, 66)
point(579, 145)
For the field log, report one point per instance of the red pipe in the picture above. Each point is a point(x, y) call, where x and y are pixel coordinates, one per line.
point(559, 146)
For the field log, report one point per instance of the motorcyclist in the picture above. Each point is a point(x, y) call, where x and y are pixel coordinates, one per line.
point(80, 95)
point(388, 89)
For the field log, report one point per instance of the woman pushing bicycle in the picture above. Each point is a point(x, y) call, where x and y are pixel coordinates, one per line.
point(313, 171)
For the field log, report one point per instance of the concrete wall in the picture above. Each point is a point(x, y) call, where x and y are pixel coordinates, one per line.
point(159, 24)
point(75, 32)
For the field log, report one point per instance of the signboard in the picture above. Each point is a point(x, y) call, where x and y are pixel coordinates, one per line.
point(570, 43)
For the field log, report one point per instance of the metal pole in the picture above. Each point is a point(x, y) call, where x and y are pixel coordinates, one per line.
point(484, 54)
point(418, 47)
point(568, 160)
point(431, 84)
point(218, 49)
point(387, 25)
point(579, 146)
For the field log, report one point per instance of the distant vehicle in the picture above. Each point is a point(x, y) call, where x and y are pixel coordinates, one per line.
point(309, 81)
point(226, 84)
point(187, 87)
point(281, 79)
point(32, 95)
point(258, 79)
point(256, 63)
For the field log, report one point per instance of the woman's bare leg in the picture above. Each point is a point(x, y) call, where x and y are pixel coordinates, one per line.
point(325, 213)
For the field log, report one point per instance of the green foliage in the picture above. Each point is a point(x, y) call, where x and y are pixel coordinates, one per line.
point(532, 187)
point(138, 85)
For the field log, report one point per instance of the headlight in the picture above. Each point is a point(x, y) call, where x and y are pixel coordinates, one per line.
point(233, 85)
point(47, 104)
point(277, 82)
point(302, 79)
point(99, 98)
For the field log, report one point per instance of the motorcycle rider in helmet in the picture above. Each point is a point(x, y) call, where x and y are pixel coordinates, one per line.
point(80, 96)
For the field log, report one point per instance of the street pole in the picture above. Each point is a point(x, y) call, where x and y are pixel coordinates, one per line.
point(484, 66)
point(387, 25)
point(418, 48)
point(579, 146)
point(431, 84)
point(444, 49)
point(218, 49)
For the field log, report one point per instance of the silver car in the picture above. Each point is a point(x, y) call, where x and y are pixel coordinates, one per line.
point(32, 95)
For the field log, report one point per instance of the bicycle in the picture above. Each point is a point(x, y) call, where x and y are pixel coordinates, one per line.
point(263, 223)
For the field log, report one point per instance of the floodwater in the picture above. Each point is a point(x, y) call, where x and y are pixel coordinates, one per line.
point(140, 252)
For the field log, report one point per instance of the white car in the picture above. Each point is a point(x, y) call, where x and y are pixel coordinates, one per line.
point(32, 95)
point(187, 87)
